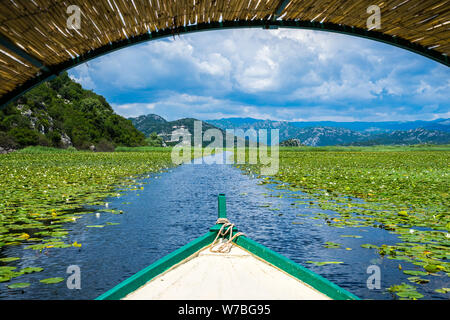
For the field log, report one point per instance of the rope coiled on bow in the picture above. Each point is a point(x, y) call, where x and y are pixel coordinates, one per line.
point(227, 227)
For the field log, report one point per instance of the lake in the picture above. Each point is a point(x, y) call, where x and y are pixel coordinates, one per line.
point(179, 205)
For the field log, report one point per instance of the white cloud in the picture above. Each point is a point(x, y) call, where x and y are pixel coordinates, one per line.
point(261, 74)
point(133, 109)
point(214, 64)
point(281, 74)
point(83, 77)
point(444, 115)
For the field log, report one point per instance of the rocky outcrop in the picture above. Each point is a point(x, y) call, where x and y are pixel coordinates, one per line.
point(65, 141)
point(6, 150)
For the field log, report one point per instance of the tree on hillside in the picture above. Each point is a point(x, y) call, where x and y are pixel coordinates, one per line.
point(154, 140)
point(62, 108)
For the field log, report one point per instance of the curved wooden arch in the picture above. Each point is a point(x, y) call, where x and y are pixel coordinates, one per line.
point(24, 67)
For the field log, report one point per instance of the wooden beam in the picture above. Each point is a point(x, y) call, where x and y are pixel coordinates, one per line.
point(11, 46)
point(279, 9)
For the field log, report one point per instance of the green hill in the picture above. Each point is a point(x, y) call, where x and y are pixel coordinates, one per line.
point(60, 113)
point(153, 123)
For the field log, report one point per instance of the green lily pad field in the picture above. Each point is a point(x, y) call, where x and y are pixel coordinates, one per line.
point(404, 191)
point(40, 192)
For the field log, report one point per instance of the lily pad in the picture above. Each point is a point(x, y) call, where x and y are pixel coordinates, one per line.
point(5, 269)
point(322, 263)
point(415, 273)
point(31, 269)
point(52, 280)
point(9, 259)
point(418, 280)
point(369, 246)
point(330, 244)
point(19, 285)
point(431, 268)
point(405, 291)
point(442, 290)
point(7, 273)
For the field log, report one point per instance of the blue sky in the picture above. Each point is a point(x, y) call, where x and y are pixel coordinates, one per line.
point(283, 74)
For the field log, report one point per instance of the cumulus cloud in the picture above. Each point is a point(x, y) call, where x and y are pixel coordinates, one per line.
point(281, 74)
point(82, 76)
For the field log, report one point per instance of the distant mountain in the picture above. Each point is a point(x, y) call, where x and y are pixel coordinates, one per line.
point(153, 123)
point(328, 136)
point(60, 113)
point(361, 126)
point(286, 129)
point(150, 123)
point(440, 125)
point(323, 133)
point(382, 126)
point(313, 136)
point(148, 120)
point(229, 123)
point(413, 136)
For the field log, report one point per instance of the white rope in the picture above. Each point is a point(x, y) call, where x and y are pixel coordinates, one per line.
point(224, 247)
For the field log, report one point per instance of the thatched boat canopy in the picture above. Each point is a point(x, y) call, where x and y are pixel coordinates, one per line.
point(36, 41)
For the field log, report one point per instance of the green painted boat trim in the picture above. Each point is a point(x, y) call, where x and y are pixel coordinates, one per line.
point(292, 268)
point(305, 275)
point(145, 275)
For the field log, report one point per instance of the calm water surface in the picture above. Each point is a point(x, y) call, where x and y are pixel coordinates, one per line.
point(180, 205)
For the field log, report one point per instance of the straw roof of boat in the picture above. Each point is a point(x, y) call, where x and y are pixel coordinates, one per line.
point(35, 42)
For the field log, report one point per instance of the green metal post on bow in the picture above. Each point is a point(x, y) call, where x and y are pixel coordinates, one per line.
point(221, 211)
point(222, 206)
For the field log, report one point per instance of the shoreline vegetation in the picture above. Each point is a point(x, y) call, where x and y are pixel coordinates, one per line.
point(150, 148)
